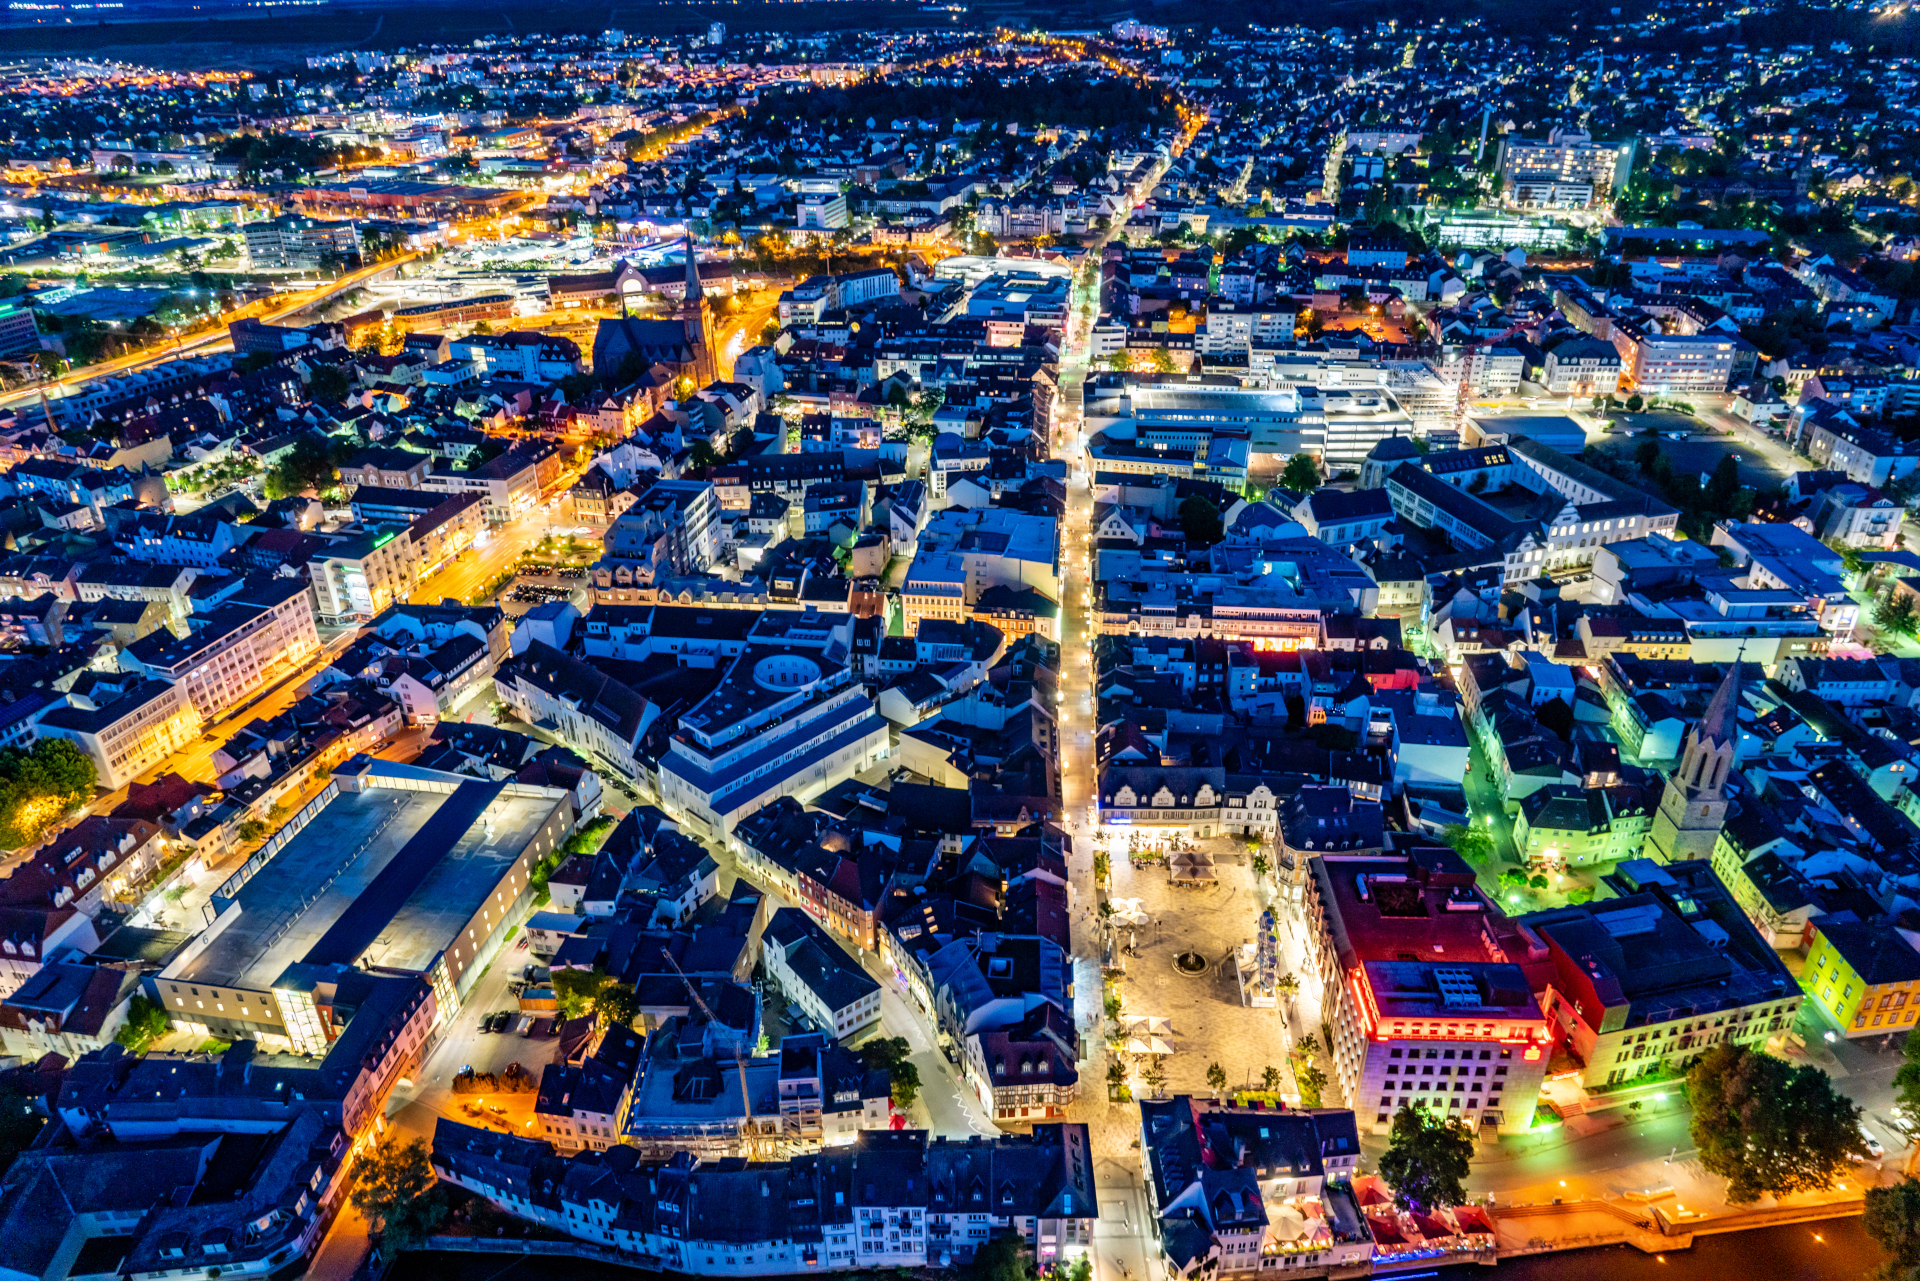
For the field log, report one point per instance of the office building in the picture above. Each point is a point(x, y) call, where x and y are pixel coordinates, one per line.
point(392, 869)
point(789, 718)
point(125, 733)
point(1423, 990)
point(362, 576)
point(1665, 968)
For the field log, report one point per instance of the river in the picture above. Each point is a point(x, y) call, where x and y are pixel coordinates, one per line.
point(1830, 1250)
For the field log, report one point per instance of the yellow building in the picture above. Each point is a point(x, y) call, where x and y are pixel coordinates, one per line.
point(1865, 975)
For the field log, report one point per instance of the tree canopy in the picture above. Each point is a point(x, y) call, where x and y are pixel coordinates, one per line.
point(890, 1054)
point(146, 1023)
point(1769, 1126)
point(20, 1123)
point(1893, 1221)
point(1426, 1159)
point(394, 1191)
point(1470, 843)
point(1906, 1081)
point(580, 992)
point(310, 464)
point(1004, 1257)
point(1302, 474)
point(1200, 522)
point(38, 785)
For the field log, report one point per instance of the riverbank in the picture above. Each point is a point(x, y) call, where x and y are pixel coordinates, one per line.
point(1823, 1250)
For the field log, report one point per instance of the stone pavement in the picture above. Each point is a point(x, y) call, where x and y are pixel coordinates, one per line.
point(1209, 1022)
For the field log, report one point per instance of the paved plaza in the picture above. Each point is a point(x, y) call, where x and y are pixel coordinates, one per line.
point(1208, 1022)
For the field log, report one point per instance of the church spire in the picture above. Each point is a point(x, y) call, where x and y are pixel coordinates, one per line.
point(1720, 722)
point(694, 291)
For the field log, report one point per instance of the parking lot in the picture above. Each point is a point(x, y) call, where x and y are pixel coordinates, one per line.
point(1699, 450)
point(416, 1105)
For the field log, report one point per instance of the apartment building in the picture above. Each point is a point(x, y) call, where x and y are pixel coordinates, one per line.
point(1677, 364)
point(241, 645)
point(962, 553)
point(509, 484)
point(363, 576)
point(816, 974)
point(598, 716)
point(583, 1108)
point(889, 1199)
point(1242, 1190)
point(1566, 170)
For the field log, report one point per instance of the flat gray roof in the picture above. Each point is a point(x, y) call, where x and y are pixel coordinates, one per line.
point(340, 885)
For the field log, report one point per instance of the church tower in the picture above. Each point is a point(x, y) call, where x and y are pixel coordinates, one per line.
point(1693, 808)
point(698, 319)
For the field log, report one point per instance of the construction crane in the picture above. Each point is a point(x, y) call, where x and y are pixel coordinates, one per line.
point(749, 1139)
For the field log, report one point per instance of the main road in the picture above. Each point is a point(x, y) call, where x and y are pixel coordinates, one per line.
point(209, 341)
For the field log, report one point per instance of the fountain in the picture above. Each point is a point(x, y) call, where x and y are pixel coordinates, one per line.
point(1189, 963)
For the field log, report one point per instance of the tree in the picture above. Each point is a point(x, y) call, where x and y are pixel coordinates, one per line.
point(1301, 475)
point(20, 1122)
point(38, 785)
point(1270, 1078)
point(1200, 522)
point(580, 992)
point(700, 456)
point(1003, 1258)
point(1723, 485)
point(1312, 1082)
point(1646, 452)
point(891, 1055)
point(1893, 1221)
point(146, 1023)
point(1635, 404)
point(1895, 614)
point(616, 1005)
point(1768, 1126)
point(1906, 1081)
point(252, 829)
point(308, 465)
point(1426, 1159)
point(393, 1191)
point(1470, 843)
point(1216, 1078)
point(328, 383)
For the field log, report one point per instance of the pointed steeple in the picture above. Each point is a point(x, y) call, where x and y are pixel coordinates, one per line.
point(1720, 722)
point(694, 291)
